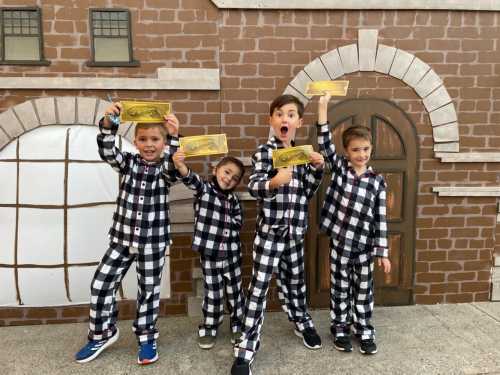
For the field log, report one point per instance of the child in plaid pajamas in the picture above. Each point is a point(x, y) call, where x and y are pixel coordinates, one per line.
point(354, 217)
point(140, 232)
point(218, 220)
point(283, 196)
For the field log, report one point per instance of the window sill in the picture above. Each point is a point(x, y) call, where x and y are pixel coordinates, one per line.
point(112, 64)
point(25, 62)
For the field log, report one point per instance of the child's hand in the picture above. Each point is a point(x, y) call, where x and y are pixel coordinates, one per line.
point(178, 159)
point(323, 108)
point(283, 177)
point(114, 109)
point(385, 263)
point(171, 124)
point(317, 160)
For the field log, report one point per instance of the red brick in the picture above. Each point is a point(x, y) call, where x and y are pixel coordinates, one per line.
point(461, 276)
point(443, 288)
point(430, 277)
point(459, 298)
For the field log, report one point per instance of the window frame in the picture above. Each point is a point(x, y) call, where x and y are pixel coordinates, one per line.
point(42, 61)
point(92, 63)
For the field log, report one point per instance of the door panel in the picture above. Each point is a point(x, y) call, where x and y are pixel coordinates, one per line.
point(395, 156)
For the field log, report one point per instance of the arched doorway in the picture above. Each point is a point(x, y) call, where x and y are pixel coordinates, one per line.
point(395, 155)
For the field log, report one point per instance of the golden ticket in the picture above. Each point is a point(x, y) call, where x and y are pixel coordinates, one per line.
point(201, 145)
point(335, 88)
point(140, 111)
point(284, 157)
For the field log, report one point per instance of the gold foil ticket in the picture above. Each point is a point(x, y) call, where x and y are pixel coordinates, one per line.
point(284, 157)
point(142, 111)
point(201, 145)
point(335, 88)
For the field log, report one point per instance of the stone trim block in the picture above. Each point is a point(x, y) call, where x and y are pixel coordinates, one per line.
point(443, 115)
point(101, 108)
point(446, 147)
point(316, 70)
point(495, 282)
point(190, 78)
point(428, 83)
point(127, 131)
point(415, 72)
point(85, 110)
point(300, 83)
point(4, 138)
point(384, 59)
point(46, 109)
point(437, 99)
point(292, 91)
point(367, 45)
point(10, 124)
point(401, 63)
point(467, 191)
point(349, 58)
point(27, 115)
point(66, 109)
point(445, 133)
point(469, 157)
point(482, 5)
point(332, 63)
point(169, 79)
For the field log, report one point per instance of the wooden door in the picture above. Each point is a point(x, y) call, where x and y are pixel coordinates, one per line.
point(395, 156)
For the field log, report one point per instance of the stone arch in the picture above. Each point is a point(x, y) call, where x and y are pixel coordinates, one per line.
point(369, 56)
point(46, 111)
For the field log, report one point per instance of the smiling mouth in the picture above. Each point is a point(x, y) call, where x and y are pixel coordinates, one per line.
point(284, 130)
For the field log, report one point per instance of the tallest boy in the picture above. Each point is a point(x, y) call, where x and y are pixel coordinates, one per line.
point(282, 197)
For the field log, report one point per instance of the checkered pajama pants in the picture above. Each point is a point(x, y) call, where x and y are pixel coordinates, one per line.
point(217, 276)
point(286, 257)
point(351, 291)
point(107, 278)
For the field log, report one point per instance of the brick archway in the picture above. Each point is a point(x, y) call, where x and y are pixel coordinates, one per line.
point(63, 110)
point(369, 56)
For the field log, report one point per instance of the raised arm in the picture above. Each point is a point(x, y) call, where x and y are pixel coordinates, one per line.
point(108, 126)
point(191, 179)
point(325, 142)
point(171, 124)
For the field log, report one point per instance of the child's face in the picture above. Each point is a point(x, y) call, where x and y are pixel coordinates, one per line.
point(358, 152)
point(150, 143)
point(228, 176)
point(284, 122)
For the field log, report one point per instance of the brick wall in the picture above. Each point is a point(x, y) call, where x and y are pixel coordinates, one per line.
point(258, 53)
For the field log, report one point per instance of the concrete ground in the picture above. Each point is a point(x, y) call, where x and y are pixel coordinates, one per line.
point(437, 339)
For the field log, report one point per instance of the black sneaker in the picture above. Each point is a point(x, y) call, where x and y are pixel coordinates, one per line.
point(367, 346)
point(343, 343)
point(241, 367)
point(310, 338)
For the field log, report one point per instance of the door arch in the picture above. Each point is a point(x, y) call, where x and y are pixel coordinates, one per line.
point(395, 156)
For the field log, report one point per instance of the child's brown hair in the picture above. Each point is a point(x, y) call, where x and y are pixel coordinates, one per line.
point(285, 99)
point(356, 132)
point(151, 125)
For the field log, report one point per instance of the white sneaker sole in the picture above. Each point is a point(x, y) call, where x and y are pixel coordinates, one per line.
point(110, 342)
point(299, 334)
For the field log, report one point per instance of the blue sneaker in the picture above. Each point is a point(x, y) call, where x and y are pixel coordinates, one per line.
point(95, 347)
point(147, 353)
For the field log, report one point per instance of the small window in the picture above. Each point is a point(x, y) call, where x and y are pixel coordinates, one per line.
point(111, 38)
point(21, 36)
